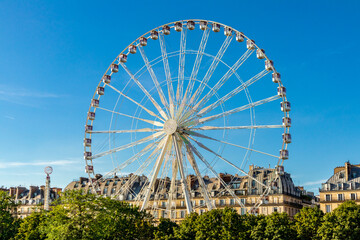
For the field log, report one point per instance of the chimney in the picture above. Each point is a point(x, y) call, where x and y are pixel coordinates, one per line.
point(32, 190)
point(19, 190)
point(251, 167)
point(347, 170)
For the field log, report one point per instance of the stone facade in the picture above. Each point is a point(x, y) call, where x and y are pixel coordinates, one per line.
point(30, 199)
point(284, 195)
point(344, 185)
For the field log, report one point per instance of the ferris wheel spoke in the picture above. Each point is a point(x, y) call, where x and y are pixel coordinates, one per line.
point(230, 94)
point(127, 131)
point(167, 74)
point(205, 193)
point(129, 161)
point(117, 149)
point(182, 174)
point(211, 69)
point(196, 134)
point(155, 123)
point(157, 106)
point(194, 71)
point(236, 127)
point(197, 153)
point(132, 100)
point(153, 77)
point(235, 110)
point(225, 160)
point(157, 166)
point(181, 66)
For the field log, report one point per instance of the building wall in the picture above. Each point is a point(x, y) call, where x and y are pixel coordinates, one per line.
point(343, 185)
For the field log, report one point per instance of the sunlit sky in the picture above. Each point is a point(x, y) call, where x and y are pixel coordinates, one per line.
point(54, 53)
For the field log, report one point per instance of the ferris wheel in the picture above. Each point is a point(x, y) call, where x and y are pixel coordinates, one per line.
point(175, 112)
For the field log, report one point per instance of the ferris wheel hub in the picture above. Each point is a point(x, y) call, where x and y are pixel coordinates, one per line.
point(170, 126)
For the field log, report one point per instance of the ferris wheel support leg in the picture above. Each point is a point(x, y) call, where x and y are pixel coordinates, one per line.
point(182, 174)
point(156, 172)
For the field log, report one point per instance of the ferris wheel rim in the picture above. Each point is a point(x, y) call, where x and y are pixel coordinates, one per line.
point(171, 25)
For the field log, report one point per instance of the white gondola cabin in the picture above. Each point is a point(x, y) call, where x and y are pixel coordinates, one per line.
point(281, 91)
point(91, 115)
point(88, 128)
point(250, 44)
point(286, 122)
point(260, 53)
point(178, 26)
point(132, 49)
point(87, 155)
point(284, 154)
point(190, 25)
point(166, 29)
point(95, 103)
point(286, 137)
point(285, 106)
point(87, 142)
point(106, 79)
point(269, 65)
point(227, 31)
point(114, 68)
point(276, 77)
point(279, 171)
point(154, 35)
point(100, 90)
point(143, 41)
point(203, 25)
point(89, 169)
point(239, 37)
point(123, 58)
point(216, 27)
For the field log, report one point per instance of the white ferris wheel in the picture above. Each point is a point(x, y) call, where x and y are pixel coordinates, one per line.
point(177, 108)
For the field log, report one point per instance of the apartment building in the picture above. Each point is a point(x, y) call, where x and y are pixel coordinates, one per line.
point(342, 186)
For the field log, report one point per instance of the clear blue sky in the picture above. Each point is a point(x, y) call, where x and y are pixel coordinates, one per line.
point(53, 54)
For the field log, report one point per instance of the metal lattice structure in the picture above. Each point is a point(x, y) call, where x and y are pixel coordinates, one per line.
point(178, 104)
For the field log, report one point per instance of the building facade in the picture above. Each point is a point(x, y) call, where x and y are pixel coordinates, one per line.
point(30, 199)
point(283, 197)
point(344, 185)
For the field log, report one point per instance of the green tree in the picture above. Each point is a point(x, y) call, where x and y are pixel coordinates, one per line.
point(8, 223)
point(87, 216)
point(32, 227)
point(186, 229)
point(342, 223)
point(274, 226)
point(165, 229)
point(307, 223)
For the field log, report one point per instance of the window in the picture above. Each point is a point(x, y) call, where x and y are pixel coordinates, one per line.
point(173, 214)
point(232, 201)
point(112, 190)
point(235, 185)
point(253, 183)
point(275, 209)
point(222, 202)
point(328, 208)
point(163, 204)
point(105, 190)
point(182, 203)
point(243, 200)
point(328, 197)
point(243, 211)
point(340, 197)
point(275, 200)
point(163, 214)
point(201, 202)
point(353, 196)
point(182, 214)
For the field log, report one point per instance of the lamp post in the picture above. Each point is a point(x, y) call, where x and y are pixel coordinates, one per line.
point(48, 170)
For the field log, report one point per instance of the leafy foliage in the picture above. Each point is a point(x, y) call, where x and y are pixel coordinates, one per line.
point(307, 223)
point(342, 223)
point(8, 223)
